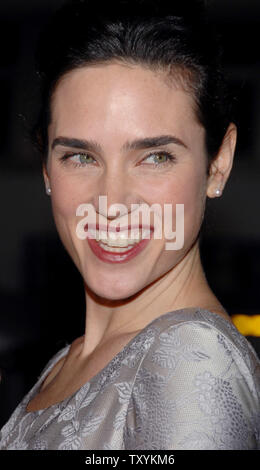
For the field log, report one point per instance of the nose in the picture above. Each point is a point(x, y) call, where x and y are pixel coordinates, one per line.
point(115, 194)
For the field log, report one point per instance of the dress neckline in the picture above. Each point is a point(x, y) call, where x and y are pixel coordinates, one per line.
point(32, 393)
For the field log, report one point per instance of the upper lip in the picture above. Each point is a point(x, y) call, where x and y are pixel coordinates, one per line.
point(108, 228)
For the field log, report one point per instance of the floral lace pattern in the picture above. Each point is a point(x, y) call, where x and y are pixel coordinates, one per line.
point(188, 380)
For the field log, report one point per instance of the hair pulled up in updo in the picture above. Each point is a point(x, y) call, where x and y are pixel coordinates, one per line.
point(158, 34)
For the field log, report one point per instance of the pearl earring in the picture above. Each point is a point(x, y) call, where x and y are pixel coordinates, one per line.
point(48, 191)
point(218, 192)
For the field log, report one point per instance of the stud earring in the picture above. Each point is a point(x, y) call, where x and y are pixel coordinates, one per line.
point(48, 191)
point(218, 192)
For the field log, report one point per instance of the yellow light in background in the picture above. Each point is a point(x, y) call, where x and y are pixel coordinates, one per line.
point(247, 325)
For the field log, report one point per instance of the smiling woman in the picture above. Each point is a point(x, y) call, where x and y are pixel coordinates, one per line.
point(135, 109)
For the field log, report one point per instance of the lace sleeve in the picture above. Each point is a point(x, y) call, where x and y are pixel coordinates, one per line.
point(194, 391)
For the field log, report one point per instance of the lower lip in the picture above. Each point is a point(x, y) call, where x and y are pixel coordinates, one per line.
point(110, 257)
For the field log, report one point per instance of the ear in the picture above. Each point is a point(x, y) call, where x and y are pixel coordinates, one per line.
point(45, 176)
point(222, 164)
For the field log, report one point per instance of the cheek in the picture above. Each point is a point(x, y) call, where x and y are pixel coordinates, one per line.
point(194, 199)
point(65, 199)
point(185, 187)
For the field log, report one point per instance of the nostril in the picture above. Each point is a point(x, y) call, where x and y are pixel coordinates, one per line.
point(112, 217)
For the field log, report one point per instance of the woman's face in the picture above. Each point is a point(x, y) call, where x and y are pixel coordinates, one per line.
point(110, 106)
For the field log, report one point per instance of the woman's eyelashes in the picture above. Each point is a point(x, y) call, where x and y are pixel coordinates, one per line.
point(161, 158)
point(78, 159)
point(153, 159)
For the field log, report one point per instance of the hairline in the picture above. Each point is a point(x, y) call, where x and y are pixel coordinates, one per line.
point(180, 76)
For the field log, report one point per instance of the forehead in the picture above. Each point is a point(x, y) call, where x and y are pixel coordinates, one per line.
point(119, 96)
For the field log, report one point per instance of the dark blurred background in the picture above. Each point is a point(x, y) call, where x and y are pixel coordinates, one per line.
point(41, 293)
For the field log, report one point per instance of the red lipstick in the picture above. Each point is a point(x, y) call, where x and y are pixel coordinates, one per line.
point(115, 257)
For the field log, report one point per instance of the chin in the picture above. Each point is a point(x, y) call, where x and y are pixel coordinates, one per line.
point(114, 290)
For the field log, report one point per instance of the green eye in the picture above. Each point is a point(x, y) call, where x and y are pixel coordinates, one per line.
point(84, 158)
point(78, 159)
point(159, 158)
point(162, 158)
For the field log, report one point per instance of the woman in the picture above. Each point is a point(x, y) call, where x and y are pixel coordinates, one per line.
point(135, 109)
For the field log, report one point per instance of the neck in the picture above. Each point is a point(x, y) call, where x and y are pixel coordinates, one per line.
point(183, 286)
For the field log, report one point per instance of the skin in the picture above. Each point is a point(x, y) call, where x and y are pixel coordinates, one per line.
point(112, 104)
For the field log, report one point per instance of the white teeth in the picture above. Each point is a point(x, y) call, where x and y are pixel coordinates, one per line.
point(119, 243)
point(119, 239)
point(114, 249)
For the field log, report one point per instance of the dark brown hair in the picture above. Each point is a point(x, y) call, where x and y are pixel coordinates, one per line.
point(172, 35)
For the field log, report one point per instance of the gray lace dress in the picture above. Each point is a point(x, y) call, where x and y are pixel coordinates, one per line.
point(188, 380)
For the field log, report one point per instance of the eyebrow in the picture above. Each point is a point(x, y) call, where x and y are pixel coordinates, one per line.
point(137, 144)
